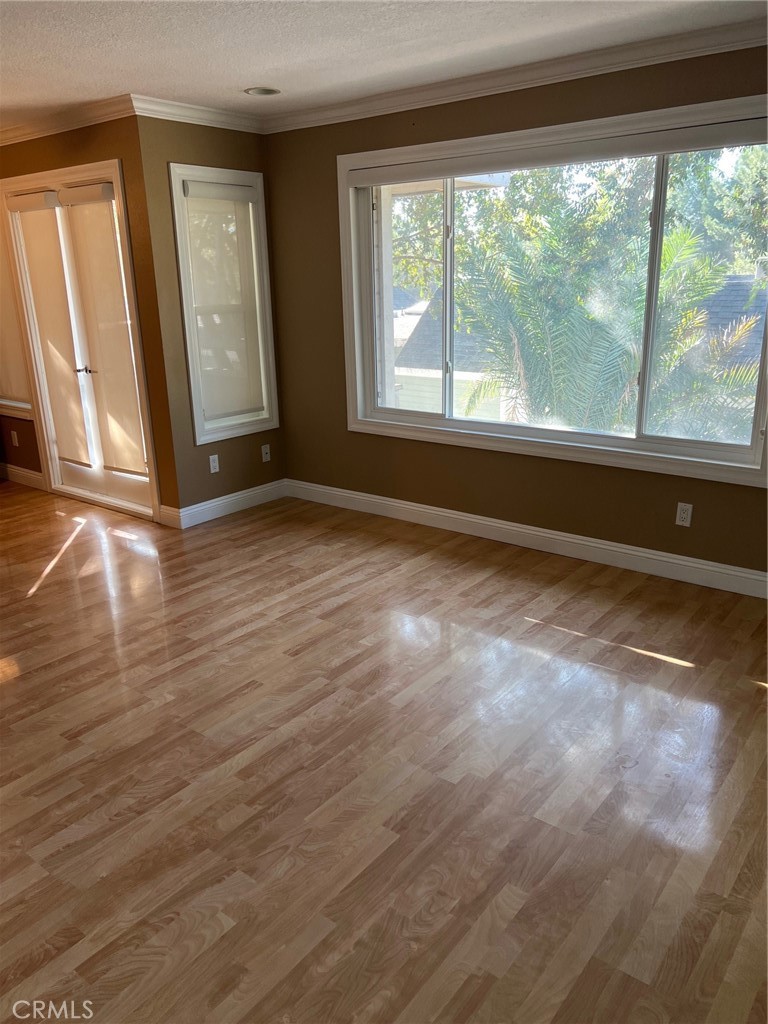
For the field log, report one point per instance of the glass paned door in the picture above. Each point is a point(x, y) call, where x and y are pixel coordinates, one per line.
point(76, 283)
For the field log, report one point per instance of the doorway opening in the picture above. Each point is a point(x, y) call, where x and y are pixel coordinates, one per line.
point(73, 272)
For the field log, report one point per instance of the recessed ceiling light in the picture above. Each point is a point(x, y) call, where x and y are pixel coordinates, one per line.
point(261, 90)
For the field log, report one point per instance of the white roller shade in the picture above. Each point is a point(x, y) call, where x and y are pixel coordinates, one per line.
point(14, 383)
point(102, 300)
point(226, 329)
point(30, 201)
point(221, 238)
point(47, 281)
point(213, 190)
point(103, 192)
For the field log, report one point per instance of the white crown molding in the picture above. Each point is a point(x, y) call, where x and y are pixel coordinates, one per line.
point(698, 43)
point(128, 105)
point(66, 120)
point(527, 76)
point(167, 110)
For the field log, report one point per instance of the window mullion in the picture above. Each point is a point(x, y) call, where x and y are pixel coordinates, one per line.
point(448, 189)
point(652, 289)
point(370, 216)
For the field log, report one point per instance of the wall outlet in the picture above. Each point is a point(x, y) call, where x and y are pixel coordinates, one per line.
point(266, 454)
point(214, 463)
point(684, 514)
point(14, 439)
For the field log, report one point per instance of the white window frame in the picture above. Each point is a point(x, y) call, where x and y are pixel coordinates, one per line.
point(207, 431)
point(710, 125)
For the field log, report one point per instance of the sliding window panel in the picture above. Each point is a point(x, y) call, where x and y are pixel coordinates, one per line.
point(48, 286)
point(101, 286)
point(709, 329)
point(550, 278)
point(409, 262)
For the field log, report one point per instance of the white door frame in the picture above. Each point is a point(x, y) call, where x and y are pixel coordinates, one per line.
point(106, 170)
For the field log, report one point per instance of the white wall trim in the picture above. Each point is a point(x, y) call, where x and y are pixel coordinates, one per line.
point(193, 515)
point(696, 125)
point(16, 408)
point(81, 116)
point(732, 578)
point(28, 477)
point(167, 110)
point(697, 43)
point(625, 556)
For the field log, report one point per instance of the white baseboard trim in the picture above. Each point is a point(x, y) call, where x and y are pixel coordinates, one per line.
point(193, 515)
point(657, 563)
point(28, 477)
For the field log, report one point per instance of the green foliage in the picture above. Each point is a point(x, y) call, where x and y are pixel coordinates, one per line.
point(725, 206)
point(561, 351)
point(550, 271)
point(417, 242)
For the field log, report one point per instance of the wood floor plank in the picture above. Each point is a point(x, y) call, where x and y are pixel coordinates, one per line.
point(307, 766)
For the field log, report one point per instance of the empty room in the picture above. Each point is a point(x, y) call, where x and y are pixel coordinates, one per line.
point(383, 511)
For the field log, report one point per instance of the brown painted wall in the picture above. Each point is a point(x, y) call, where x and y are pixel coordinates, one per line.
point(164, 142)
point(26, 455)
point(117, 140)
point(616, 504)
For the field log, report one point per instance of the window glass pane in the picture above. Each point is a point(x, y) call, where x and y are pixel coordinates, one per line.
point(712, 296)
point(214, 250)
point(550, 282)
point(409, 296)
point(223, 287)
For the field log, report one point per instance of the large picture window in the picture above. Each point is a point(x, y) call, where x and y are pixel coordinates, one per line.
point(221, 235)
point(611, 309)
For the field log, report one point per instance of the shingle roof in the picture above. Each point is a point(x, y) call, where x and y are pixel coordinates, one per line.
point(401, 299)
point(738, 297)
point(424, 348)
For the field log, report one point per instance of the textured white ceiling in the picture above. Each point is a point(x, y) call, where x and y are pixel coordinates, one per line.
point(57, 54)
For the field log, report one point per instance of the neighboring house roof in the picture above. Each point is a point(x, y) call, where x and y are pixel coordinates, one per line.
point(738, 297)
point(401, 299)
point(424, 348)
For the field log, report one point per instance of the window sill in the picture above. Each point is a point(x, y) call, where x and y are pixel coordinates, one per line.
point(650, 462)
point(207, 435)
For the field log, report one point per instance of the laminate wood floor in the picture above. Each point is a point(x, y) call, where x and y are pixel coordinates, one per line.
point(307, 765)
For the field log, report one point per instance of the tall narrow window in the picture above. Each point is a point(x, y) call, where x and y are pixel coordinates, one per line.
point(221, 234)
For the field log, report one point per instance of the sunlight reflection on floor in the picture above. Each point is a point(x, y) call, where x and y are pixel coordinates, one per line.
point(610, 643)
